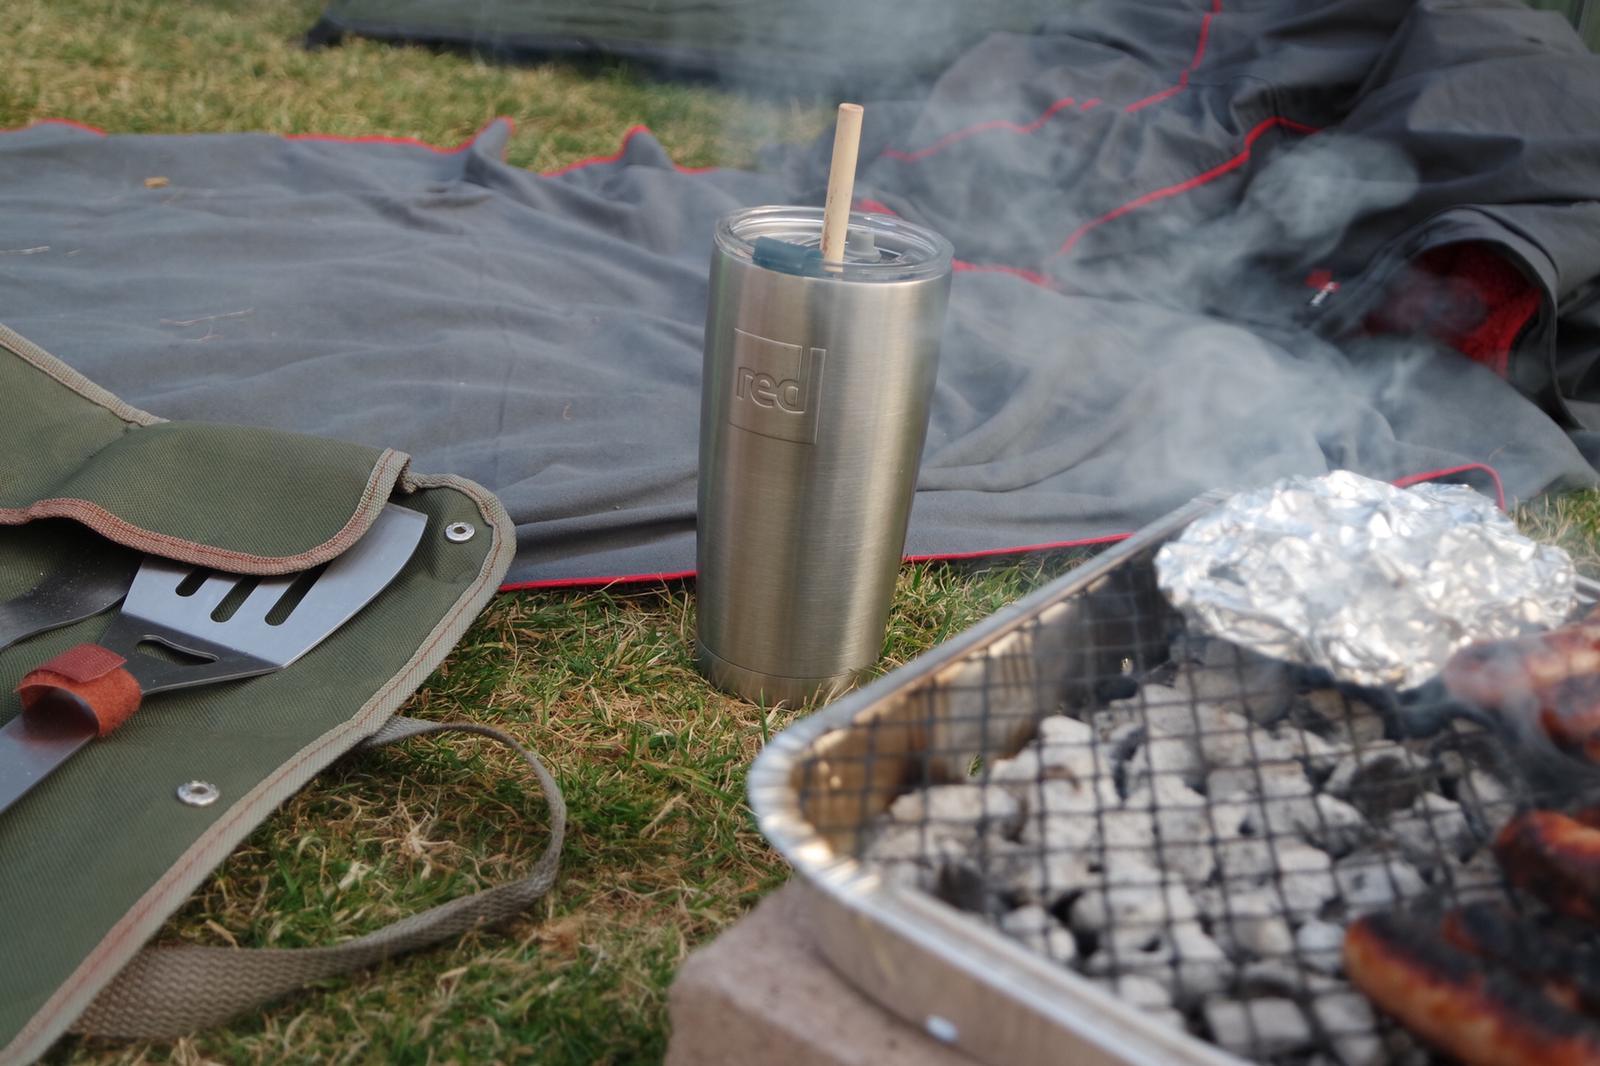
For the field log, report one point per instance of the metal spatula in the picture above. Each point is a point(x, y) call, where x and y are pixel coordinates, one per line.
point(217, 627)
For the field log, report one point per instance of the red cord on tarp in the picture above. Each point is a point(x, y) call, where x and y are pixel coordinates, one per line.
point(1490, 473)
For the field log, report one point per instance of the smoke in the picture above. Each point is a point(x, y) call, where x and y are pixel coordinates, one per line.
point(1211, 258)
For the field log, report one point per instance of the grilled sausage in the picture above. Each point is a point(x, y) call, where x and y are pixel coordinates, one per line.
point(1551, 679)
point(1555, 857)
point(1567, 971)
point(1481, 1015)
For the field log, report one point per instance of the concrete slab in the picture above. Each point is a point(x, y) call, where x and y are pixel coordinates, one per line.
point(760, 994)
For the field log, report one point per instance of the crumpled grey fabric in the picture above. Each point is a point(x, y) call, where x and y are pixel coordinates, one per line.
point(1130, 323)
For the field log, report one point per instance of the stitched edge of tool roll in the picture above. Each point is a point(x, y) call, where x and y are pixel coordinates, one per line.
point(242, 499)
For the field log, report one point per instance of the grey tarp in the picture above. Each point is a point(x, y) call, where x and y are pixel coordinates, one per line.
point(1137, 196)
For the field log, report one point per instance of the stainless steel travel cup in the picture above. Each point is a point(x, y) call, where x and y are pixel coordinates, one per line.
point(813, 411)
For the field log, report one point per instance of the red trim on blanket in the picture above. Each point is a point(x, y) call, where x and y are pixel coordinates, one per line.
point(962, 266)
point(1058, 545)
point(636, 579)
point(410, 142)
point(364, 138)
point(1021, 549)
point(1464, 468)
point(1183, 77)
point(1032, 277)
point(378, 138)
point(595, 582)
point(983, 127)
point(957, 136)
point(1185, 186)
point(84, 126)
point(633, 131)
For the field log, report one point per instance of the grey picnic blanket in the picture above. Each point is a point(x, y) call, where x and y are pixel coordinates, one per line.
point(1137, 197)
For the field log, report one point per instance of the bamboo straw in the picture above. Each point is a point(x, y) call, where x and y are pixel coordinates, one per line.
point(841, 182)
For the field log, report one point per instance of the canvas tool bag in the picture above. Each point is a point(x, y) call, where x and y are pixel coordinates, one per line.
point(98, 855)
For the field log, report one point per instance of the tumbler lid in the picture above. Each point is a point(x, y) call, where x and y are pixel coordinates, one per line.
point(879, 248)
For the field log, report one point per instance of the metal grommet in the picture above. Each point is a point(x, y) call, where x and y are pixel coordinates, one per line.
point(198, 793)
point(459, 532)
point(941, 1029)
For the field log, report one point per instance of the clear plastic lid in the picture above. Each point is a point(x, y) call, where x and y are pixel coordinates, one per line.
point(878, 248)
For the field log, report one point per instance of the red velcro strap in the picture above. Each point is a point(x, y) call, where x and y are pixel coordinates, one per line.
point(92, 674)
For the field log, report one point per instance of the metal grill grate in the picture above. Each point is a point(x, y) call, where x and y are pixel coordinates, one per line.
point(1184, 824)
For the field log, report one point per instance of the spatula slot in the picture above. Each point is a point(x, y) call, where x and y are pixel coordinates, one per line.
point(292, 596)
point(234, 599)
point(192, 582)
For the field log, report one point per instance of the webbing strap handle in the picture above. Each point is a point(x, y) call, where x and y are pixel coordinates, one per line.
point(167, 992)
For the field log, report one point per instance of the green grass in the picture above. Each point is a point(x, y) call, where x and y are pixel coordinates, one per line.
point(662, 853)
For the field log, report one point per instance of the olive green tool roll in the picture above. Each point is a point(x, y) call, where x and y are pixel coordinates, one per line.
point(98, 855)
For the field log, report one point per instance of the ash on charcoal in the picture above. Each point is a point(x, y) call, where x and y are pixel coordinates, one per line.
point(1320, 946)
point(1039, 931)
point(961, 809)
point(906, 857)
point(899, 844)
point(1065, 750)
point(1484, 793)
point(1281, 977)
point(1476, 879)
point(1246, 922)
point(1197, 741)
point(1380, 779)
point(1060, 815)
point(1219, 671)
point(1347, 1018)
point(1273, 778)
point(1288, 809)
point(1114, 725)
point(1181, 955)
point(1258, 1027)
point(1305, 878)
point(1138, 906)
point(1129, 831)
point(1432, 826)
point(1371, 881)
point(1181, 827)
point(1041, 875)
point(1146, 993)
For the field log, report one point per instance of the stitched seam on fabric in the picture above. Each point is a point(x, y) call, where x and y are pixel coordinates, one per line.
point(64, 375)
point(596, 160)
point(360, 138)
point(994, 124)
point(1063, 104)
point(211, 847)
point(1405, 481)
point(1187, 185)
point(1183, 76)
point(119, 529)
point(1408, 480)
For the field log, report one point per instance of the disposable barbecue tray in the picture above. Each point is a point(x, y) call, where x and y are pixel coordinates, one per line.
point(971, 822)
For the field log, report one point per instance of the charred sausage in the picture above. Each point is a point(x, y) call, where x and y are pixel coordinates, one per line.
point(1551, 680)
point(1555, 857)
point(1483, 1016)
point(1568, 972)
